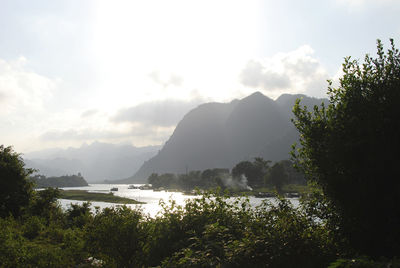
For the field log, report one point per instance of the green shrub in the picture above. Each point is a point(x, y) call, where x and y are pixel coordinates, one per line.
point(117, 235)
point(32, 227)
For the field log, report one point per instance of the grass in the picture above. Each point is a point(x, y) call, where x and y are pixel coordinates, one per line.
point(82, 195)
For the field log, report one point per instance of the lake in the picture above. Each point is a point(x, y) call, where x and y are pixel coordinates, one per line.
point(152, 198)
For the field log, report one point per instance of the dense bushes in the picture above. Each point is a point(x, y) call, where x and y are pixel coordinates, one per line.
point(210, 231)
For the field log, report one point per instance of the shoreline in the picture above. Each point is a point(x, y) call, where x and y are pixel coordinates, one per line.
point(83, 195)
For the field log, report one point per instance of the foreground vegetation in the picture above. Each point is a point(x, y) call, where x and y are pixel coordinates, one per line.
point(99, 197)
point(205, 232)
point(350, 148)
point(349, 152)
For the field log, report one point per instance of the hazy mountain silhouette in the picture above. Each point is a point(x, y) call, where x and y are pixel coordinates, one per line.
point(96, 162)
point(219, 135)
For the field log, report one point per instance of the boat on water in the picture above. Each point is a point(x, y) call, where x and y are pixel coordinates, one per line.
point(133, 187)
point(264, 195)
point(145, 187)
point(114, 189)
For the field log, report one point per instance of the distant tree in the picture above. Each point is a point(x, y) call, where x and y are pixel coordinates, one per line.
point(262, 163)
point(351, 149)
point(15, 187)
point(212, 178)
point(163, 180)
point(277, 176)
point(154, 180)
point(190, 180)
point(41, 181)
point(254, 171)
point(262, 166)
point(242, 168)
point(294, 175)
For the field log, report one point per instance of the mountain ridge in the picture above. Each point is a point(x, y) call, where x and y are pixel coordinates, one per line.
point(97, 161)
point(219, 135)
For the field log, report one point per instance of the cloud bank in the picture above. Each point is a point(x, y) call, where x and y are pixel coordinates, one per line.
point(293, 72)
point(164, 113)
point(22, 89)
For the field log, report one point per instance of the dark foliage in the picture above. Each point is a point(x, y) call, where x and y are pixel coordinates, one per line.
point(15, 188)
point(351, 147)
point(63, 181)
point(277, 176)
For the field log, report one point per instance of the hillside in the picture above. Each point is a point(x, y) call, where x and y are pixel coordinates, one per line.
point(219, 135)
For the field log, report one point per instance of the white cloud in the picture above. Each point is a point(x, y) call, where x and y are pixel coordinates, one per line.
point(82, 135)
point(357, 4)
point(139, 134)
point(22, 89)
point(89, 113)
point(256, 75)
point(297, 71)
point(166, 113)
point(172, 80)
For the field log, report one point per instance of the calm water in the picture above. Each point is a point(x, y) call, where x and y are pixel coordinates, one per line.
point(151, 198)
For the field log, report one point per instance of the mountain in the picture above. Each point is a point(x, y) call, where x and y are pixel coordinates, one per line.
point(219, 135)
point(96, 162)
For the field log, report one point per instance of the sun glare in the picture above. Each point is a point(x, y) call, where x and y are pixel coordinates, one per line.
point(205, 42)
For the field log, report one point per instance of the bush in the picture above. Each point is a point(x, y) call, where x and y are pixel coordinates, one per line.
point(117, 235)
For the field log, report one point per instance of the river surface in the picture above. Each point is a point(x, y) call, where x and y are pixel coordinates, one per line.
point(152, 198)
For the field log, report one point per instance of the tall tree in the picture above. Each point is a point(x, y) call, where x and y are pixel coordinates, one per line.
point(277, 176)
point(15, 187)
point(254, 171)
point(351, 149)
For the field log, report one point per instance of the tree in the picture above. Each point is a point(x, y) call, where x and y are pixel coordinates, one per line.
point(254, 171)
point(262, 165)
point(277, 176)
point(242, 168)
point(44, 204)
point(15, 188)
point(351, 149)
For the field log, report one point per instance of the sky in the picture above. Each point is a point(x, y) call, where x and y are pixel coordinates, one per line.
point(78, 71)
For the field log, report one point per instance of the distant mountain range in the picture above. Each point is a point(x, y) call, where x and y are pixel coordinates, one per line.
point(219, 135)
point(213, 135)
point(96, 162)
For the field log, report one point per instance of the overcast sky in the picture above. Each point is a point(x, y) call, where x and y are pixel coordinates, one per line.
point(75, 71)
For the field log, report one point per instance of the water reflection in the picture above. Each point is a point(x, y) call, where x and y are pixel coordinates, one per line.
point(152, 198)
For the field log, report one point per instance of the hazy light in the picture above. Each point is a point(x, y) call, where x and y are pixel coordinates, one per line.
point(204, 42)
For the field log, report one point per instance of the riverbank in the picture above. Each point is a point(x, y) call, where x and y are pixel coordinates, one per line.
point(289, 191)
point(83, 195)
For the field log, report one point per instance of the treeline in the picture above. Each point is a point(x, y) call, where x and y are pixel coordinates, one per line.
point(246, 175)
point(41, 181)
